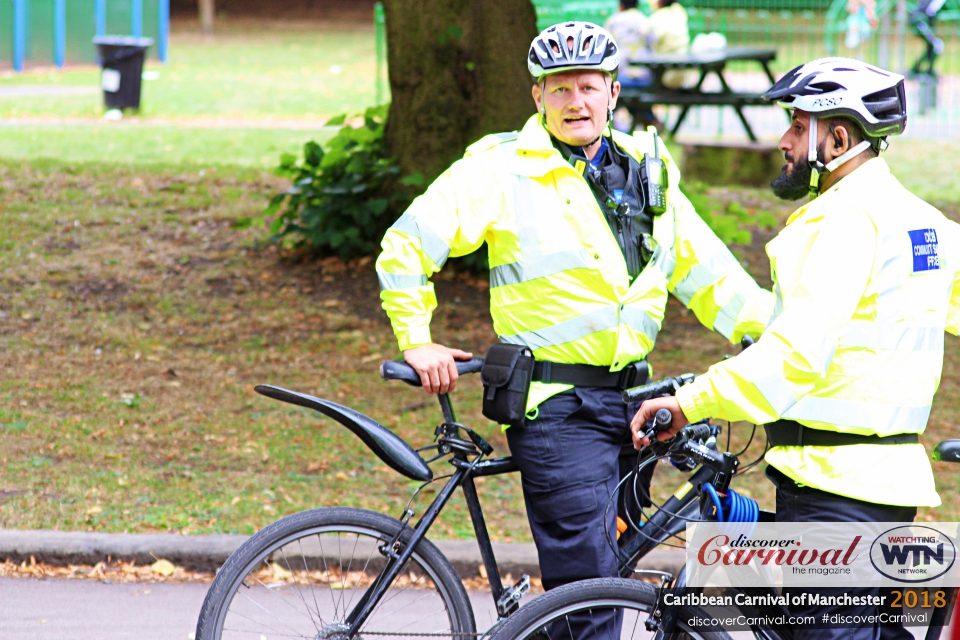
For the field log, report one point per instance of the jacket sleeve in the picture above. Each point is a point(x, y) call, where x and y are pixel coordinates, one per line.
point(709, 280)
point(447, 220)
point(953, 312)
point(763, 382)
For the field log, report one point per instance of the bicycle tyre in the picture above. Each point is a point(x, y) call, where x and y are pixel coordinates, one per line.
point(282, 609)
point(587, 597)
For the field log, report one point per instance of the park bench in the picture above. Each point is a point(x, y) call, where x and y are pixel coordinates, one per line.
point(639, 100)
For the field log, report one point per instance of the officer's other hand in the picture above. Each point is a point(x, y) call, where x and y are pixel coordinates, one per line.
point(649, 409)
point(436, 366)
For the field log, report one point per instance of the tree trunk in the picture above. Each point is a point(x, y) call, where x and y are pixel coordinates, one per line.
point(206, 8)
point(458, 71)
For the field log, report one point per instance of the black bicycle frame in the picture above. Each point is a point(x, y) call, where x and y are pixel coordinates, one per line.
point(466, 471)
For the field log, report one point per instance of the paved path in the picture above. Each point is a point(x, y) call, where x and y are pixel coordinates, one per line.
point(33, 609)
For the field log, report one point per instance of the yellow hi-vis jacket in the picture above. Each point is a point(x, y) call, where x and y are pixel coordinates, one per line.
point(867, 278)
point(558, 279)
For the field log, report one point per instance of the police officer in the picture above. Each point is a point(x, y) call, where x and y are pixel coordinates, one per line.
point(587, 233)
point(867, 278)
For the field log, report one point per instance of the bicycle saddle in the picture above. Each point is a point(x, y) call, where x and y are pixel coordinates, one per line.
point(387, 445)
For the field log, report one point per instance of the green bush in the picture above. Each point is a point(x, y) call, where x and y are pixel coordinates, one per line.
point(344, 197)
point(731, 223)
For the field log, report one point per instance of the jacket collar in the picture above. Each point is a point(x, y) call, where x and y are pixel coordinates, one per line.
point(536, 156)
point(871, 173)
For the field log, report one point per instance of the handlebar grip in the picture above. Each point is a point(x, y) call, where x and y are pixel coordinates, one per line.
point(697, 431)
point(473, 365)
point(400, 370)
point(647, 391)
point(666, 387)
point(663, 420)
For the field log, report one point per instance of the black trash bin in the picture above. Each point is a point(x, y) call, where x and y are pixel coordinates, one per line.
point(121, 58)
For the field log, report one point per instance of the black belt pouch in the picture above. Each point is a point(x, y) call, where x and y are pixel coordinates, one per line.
point(506, 375)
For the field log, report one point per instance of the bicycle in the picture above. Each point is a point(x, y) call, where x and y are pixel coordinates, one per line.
point(639, 605)
point(340, 573)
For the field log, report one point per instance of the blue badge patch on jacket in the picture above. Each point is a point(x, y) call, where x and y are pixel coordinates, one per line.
point(926, 251)
point(618, 195)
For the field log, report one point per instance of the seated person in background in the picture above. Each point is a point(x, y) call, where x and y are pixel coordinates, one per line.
point(631, 30)
point(669, 34)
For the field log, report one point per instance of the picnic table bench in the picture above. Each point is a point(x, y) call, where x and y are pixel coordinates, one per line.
point(637, 100)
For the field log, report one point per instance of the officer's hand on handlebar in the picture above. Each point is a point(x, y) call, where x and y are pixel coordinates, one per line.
point(435, 365)
point(646, 413)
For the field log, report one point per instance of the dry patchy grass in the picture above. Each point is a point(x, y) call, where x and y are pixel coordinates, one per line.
point(134, 322)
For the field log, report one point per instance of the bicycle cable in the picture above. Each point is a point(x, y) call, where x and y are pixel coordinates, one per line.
point(749, 442)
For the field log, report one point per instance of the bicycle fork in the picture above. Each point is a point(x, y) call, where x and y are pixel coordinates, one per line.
point(396, 558)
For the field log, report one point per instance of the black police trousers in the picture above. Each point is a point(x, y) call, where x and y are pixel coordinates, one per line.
point(571, 457)
point(797, 503)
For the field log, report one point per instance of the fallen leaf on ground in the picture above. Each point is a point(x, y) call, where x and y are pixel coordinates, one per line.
point(163, 567)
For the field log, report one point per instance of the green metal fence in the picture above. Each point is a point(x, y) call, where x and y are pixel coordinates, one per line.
point(800, 30)
point(61, 31)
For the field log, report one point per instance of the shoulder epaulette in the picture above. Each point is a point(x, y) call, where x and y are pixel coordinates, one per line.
point(492, 140)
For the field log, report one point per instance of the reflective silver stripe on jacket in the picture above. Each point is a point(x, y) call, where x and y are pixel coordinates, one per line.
point(525, 270)
point(726, 319)
point(393, 282)
point(896, 337)
point(567, 331)
point(703, 274)
point(432, 244)
point(877, 418)
point(638, 320)
point(533, 264)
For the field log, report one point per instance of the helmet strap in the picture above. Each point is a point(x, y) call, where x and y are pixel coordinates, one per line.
point(817, 168)
point(813, 159)
point(834, 164)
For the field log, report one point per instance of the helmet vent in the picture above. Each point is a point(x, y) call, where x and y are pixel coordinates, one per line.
point(826, 87)
point(883, 104)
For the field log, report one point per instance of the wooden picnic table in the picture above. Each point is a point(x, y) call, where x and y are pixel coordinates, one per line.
point(638, 99)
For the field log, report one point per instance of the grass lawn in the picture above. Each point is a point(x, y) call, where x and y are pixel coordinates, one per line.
point(246, 70)
point(134, 322)
point(143, 144)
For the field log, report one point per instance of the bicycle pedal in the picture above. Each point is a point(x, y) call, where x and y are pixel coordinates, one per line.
point(510, 600)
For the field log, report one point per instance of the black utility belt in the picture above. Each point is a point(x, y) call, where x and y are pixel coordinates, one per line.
point(788, 433)
point(588, 375)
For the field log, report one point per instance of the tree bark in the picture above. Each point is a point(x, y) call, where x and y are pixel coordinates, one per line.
point(206, 9)
point(458, 71)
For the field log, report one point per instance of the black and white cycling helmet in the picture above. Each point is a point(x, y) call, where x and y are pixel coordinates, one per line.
point(831, 87)
point(570, 46)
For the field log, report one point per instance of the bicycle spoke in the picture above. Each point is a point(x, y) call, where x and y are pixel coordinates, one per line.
point(326, 569)
point(636, 621)
point(421, 602)
point(265, 610)
point(402, 608)
point(349, 565)
point(299, 591)
point(313, 592)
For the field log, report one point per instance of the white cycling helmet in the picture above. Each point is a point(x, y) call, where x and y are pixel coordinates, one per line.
point(831, 87)
point(570, 46)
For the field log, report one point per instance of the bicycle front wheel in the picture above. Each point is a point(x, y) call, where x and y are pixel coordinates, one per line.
point(598, 609)
point(301, 576)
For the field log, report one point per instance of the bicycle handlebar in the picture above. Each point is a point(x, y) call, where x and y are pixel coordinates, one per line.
point(400, 370)
point(666, 387)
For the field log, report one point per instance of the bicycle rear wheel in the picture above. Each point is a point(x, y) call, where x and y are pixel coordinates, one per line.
point(301, 576)
point(583, 610)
